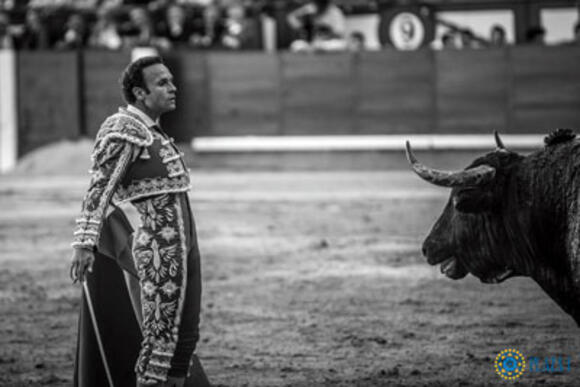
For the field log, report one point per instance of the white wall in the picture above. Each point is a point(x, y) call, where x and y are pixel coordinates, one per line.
point(368, 25)
point(559, 24)
point(8, 112)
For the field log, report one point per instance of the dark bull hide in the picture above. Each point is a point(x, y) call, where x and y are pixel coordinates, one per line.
point(511, 215)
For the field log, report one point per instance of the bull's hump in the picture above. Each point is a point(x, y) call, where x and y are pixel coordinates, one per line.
point(559, 136)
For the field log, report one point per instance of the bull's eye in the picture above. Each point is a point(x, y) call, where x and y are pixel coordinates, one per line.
point(470, 200)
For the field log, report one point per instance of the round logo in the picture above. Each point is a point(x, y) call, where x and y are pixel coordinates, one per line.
point(510, 364)
point(407, 31)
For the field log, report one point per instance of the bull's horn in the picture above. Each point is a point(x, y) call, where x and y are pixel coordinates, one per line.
point(498, 141)
point(468, 177)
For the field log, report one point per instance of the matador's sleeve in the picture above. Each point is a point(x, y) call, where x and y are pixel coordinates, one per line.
point(108, 168)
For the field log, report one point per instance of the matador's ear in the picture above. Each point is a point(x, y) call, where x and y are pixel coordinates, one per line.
point(138, 92)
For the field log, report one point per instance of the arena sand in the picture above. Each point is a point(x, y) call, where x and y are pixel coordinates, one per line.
point(310, 279)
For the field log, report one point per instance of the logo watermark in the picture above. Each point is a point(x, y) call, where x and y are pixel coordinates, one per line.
point(510, 364)
point(550, 364)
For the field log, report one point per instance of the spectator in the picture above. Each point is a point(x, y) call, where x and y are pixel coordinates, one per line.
point(356, 41)
point(320, 24)
point(35, 33)
point(468, 39)
point(76, 33)
point(138, 31)
point(176, 28)
point(213, 27)
point(111, 4)
point(105, 33)
point(535, 35)
point(497, 36)
point(6, 38)
point(6, 5)
point(239, 31)
point(449, 41)
point(158, 9)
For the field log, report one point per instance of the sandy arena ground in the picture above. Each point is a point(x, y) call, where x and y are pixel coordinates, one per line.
point(310, 279)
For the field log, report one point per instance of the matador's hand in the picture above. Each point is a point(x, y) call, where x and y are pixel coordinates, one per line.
point(82, 260)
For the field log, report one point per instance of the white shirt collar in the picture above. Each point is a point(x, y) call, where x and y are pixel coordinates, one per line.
point(148, 121)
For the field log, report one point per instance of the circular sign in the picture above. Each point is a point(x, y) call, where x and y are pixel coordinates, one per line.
point(407, 31)
point(406, 28)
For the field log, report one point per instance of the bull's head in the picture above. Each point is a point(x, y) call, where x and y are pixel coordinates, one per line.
point(466, 237)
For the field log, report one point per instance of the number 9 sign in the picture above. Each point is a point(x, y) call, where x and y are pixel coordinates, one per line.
point(406, 29)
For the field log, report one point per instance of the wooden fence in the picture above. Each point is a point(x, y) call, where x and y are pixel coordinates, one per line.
point(516, 90)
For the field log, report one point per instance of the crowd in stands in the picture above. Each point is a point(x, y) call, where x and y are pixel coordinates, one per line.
point(316, 25)
point(457, 38)
point(117, 24)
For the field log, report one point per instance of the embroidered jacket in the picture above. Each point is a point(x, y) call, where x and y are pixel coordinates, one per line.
point(129, 161)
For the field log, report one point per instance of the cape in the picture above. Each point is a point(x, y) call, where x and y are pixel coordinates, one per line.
point(118, 327)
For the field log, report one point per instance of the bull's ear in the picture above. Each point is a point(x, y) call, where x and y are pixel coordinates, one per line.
point(471, 200)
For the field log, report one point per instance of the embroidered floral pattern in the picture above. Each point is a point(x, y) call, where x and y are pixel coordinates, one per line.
point(160, 258)
point(114, 149)
point(167, 233)
point(171, 157)
point(102, 187)
point(153, 186)
point(121, 126)
point(175, 168)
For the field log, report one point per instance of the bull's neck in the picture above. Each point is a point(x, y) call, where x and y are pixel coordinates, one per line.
point(542, 184)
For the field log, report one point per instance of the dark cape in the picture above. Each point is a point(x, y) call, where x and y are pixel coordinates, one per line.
point(118, 327)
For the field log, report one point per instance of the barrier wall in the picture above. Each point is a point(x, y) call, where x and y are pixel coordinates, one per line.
point(395, 92)
point(101, 94)
point(193, 116)
point(515, 90)
point(48, 98)
point(546, 88)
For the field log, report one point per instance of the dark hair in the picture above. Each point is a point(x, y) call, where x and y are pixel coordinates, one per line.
point(499, 29)
point(322, 5)
point(133, 76)
point(534, 33)
point(357, 35)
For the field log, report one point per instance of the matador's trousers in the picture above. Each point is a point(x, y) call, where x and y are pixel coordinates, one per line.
point(167, 259)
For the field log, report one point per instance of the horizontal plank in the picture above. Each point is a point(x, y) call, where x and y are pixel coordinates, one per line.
point(243, 125)
point(547, 77)
point(394, 82)
point(360, 143)
point(244, 93)
point(317, 120)
point(239, 67)
point(472, 90)
point(318, 66)
point(392, 123)
point(545, 119)
point(317, 94)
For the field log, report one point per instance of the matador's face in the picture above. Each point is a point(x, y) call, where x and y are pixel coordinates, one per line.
point(161, 97)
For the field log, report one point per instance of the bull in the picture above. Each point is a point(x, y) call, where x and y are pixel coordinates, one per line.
point(512, 215)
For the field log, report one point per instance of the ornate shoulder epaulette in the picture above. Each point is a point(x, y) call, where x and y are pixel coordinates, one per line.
point(124, 126)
